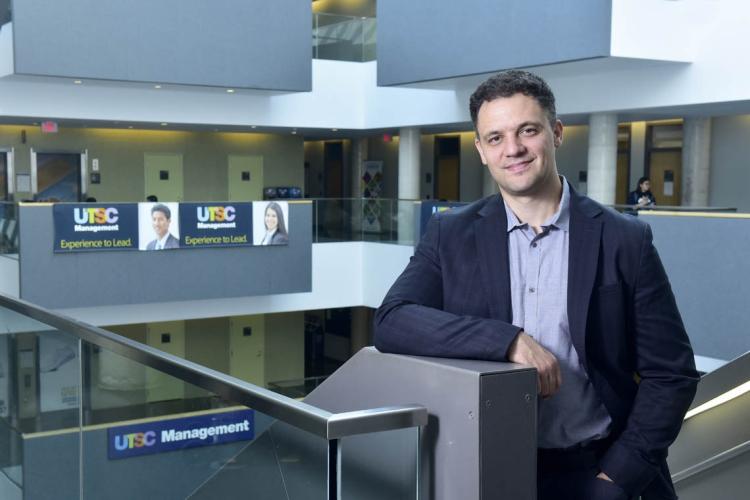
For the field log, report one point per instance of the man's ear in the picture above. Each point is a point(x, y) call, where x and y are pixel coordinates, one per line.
point(557, 132)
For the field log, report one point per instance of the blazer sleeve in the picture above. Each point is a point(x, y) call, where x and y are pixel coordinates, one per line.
point(412, 319)
point(668, 378)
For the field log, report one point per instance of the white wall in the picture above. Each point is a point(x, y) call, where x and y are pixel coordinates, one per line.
point(730, 162)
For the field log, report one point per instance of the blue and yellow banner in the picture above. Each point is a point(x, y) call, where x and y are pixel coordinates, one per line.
point(95, 227)
point(216, 224)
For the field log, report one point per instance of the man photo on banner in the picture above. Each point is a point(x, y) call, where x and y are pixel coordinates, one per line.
point(161, 218)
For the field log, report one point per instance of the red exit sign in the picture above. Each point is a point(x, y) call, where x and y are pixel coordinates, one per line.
point(49, 127)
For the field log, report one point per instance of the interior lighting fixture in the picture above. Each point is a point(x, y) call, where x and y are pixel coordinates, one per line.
point(719, 400)
point(230, 91)
point(334, 130)
point(157, 86)
point(294, 132)
point(130, 126)
point(253, 126)
point(164, 124)
point(77, 82)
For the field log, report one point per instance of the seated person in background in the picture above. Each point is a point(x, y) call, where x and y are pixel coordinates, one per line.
point(642, 196)
point(161, 217)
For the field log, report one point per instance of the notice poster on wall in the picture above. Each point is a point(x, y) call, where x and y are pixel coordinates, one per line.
point(371, 185)
point(216, 224)
point(270, 223)
point(58, 372)
point(95, 227)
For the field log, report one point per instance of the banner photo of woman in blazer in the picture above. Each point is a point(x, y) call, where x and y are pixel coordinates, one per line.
point(270, 223)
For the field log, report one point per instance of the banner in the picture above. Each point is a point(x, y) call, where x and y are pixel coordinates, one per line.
point(161, 436)
point(95, 227)
point(216, 224)
point(169, 226)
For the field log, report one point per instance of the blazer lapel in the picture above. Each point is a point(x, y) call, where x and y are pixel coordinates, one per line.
point(490, 231)
point(583, 259)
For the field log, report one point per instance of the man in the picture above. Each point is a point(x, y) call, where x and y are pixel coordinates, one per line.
point(543, 276)
point(161, 217)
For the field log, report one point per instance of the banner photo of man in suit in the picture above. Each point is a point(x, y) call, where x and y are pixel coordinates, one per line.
point(159, 226)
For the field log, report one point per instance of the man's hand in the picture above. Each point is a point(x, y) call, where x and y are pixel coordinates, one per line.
point(602, 475)
point(527, 351)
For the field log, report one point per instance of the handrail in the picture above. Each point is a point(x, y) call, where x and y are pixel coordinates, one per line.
point(672, 208)
point(711, 462)
point(299, 414)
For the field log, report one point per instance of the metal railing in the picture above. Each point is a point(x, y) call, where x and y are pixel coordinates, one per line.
point(300, 424)
point(343, 38)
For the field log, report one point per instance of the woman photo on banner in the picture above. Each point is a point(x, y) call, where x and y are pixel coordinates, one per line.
point(274, 226)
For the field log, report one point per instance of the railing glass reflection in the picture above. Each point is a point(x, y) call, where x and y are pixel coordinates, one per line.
point(9, 228)
point(343, 38)
point(364, 219)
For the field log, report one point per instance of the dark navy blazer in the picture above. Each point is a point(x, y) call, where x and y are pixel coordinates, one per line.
point(453, 300)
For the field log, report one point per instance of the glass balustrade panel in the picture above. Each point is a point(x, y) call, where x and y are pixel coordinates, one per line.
point(150, 435)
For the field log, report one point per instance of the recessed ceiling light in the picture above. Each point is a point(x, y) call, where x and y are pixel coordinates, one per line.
point(294, 132)
point(334, 130)
point(216, 130)
point(164, 124)
point(36, 123)
point(157, 86)
point(77, 82)
point(253, 126)
point(130, 126)
point(230, 91)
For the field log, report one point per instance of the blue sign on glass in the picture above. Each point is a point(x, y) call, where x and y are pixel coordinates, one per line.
point(432, 207)
point(94, 227)
point(216, 224)
point(180, 433)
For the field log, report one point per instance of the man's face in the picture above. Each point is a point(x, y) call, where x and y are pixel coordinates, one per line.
point(517, 143)
point(160, 223)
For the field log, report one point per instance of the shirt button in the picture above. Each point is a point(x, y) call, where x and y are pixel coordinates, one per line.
point(532, 290)
point(533, 245)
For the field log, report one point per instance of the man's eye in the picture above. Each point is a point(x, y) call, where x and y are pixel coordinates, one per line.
point(494, 140)
point(528, 131)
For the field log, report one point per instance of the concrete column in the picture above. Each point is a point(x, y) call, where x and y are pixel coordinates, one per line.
point(408, 163)
point(696, 155)
point(637, 153)
point(359, 155)
point(602, 165)
point(408, 182)
point(361, 328)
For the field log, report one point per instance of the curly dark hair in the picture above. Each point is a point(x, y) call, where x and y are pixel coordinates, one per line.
point(509, 83)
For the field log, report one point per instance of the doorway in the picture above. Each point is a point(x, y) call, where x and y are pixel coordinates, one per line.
point(163, 173)
point(57, 176)
point(333, 169)
point(447, 168)
point(664, 162)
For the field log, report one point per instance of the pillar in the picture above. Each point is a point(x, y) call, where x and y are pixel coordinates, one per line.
point(602, 164)
point(408, 182)
point(359, 155)
point(408, 163)
point(696, 170)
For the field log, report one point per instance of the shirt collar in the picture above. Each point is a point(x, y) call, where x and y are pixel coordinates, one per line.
point(560, 219)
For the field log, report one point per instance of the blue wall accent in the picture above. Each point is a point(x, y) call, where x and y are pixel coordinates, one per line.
point(422, 40)
point(256, 44)
point(90, 279)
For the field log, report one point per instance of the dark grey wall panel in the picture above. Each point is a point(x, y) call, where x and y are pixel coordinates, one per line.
point(90, 279)
point(423, 40)
point(229, 43)
point(706, 260)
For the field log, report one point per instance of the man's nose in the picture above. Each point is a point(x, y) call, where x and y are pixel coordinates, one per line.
point(514, 146)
